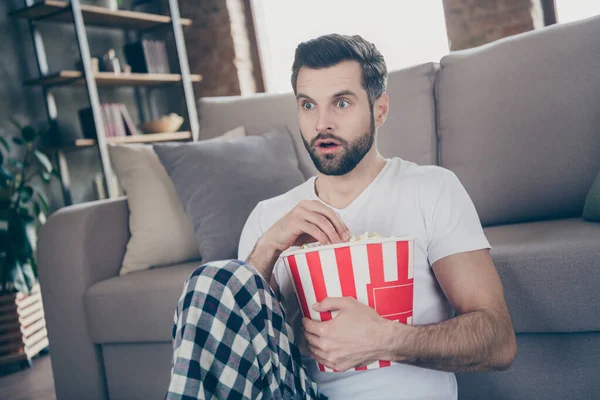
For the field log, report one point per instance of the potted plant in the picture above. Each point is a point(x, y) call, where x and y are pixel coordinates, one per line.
point(23, 208)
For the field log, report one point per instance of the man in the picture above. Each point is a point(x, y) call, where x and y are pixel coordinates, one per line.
point(339, 82)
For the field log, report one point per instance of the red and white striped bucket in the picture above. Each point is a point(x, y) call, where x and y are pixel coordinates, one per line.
point(377, 272)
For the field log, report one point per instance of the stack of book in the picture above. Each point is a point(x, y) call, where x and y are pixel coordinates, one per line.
point(115, 118)
point(148, 57)
point(23, 331)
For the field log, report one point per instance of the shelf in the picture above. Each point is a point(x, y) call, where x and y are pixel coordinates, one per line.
point(60, 11)
point(146, 138)
point(76, 78)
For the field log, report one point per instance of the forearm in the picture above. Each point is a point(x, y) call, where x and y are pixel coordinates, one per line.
point(263, 258)
point(472, 342)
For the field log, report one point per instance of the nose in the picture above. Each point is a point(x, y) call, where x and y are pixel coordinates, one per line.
point(325, 122)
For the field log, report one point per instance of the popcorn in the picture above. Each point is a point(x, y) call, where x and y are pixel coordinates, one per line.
point(355, 238)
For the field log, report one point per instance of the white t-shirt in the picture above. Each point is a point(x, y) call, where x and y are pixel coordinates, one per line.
point(405, 199)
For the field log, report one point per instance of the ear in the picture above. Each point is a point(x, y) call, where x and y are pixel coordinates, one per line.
point(380, 109)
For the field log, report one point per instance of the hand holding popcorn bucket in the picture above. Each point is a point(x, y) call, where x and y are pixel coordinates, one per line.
point(376, 271)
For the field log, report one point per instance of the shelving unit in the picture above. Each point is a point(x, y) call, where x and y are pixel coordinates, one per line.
point(148, 138)
point(81, 16)
point(59, 11)
point(76, 78)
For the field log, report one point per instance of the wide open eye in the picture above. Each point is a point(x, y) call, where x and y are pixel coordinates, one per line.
point(307, 105)
point(343, 104)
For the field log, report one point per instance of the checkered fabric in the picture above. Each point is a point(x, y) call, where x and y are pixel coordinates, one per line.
point(231, 340)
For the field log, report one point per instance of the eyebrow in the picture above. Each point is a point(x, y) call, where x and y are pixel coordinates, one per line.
point(338, 94)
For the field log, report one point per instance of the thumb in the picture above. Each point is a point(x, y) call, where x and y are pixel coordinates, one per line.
point(332, 304)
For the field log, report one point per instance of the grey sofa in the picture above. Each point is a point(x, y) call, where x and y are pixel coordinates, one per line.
point(518, 121)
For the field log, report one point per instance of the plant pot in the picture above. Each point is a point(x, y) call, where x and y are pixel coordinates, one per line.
point(23, 332)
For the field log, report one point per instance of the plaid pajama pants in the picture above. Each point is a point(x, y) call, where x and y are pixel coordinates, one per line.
point(231, 340)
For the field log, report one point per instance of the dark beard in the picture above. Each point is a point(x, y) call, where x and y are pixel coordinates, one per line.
point(337, 165)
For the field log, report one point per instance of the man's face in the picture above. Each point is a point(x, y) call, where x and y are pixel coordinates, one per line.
point(336, 120)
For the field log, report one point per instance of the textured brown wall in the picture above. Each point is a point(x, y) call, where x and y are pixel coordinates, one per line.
point(210, 47)
point(471, 23)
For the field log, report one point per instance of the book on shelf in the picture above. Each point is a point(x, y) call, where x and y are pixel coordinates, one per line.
point(147, 56)
point(115, 117)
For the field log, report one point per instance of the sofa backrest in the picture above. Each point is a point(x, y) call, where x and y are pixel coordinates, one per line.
point(409, 131)
point(519, 122)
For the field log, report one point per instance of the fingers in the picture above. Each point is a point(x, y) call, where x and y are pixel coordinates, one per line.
point(334, 304)
point(325, 226)
point(331, 217)
point(314, 231)
point(311, 327)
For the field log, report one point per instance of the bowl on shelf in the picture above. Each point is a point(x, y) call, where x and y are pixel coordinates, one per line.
point(167, 124)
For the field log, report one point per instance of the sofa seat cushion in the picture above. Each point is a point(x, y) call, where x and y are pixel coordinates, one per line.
point(549, 272)
point(137, 307)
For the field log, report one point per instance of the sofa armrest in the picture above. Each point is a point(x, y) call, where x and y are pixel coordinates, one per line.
point(78, 246)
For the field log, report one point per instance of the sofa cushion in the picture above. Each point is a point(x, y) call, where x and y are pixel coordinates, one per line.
point(549, 271)
point(161, 232)
point(518, 122)
point(409, 131)
point(136, 307)
point(591, 208)
point(220, 182)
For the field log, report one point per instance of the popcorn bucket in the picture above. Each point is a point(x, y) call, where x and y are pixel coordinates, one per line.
point(377, 272)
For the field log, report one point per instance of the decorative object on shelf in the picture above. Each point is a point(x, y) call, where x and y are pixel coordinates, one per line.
point(94, 64)
point(167, 123)
point(115, 117)
point(148, 56)
point(110, 62)
point(23, 209)
point(112, 5)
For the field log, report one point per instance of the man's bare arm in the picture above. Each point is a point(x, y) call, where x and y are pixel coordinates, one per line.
point(480, 338)
point(263, 258)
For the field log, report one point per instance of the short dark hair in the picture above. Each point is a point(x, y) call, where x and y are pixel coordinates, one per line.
point(329, 50)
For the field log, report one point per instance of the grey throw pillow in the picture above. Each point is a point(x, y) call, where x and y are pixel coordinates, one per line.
point(220, 182)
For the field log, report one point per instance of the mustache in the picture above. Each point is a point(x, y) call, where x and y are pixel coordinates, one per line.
point(323, 136)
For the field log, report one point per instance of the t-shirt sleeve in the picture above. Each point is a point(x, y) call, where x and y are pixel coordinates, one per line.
point(453, 223)
point(250, 234)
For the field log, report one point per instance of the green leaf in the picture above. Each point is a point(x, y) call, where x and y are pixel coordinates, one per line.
point(5, 175)
point(25, 216)
point(43, 159)
point(45, 176)
point(44, 200)
point(18, 140)
point(26, 193)
point(36, 208)
point(16, 124)
point(29, 134)
point(18, 278)
point(40, 215)
point(15, 163)
point(4, 143)
point(1, 158)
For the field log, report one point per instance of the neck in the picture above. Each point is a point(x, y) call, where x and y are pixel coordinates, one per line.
point(340, 191)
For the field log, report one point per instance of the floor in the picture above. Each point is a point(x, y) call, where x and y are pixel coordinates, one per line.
point(35, 383)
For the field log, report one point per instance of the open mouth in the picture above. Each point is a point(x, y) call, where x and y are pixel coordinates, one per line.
point(328, 146)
